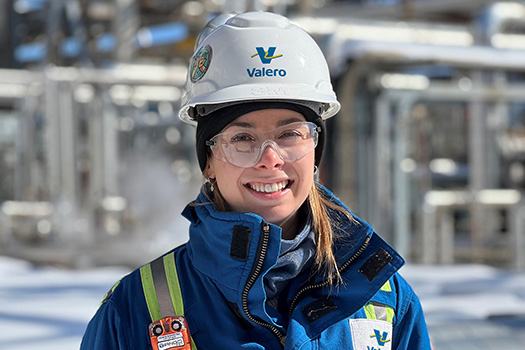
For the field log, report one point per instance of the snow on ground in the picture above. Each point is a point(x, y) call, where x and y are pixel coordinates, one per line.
point(48, 308)
point(467, 291)
point(471, 306)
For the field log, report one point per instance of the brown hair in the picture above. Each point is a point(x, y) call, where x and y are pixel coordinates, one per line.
point(324, 225)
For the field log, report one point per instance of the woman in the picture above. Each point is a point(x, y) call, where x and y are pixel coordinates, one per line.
point(274, 260)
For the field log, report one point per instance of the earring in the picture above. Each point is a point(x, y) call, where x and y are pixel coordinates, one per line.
point(210, 180)
point(315, 169)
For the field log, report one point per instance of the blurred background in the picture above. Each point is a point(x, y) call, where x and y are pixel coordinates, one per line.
point(95, 166)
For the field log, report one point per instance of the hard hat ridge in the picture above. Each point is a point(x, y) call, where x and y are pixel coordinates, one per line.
point(259, 20)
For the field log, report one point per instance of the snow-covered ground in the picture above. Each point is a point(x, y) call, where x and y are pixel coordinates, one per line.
point(466, 306)
point(471, 307)
point(47, 308)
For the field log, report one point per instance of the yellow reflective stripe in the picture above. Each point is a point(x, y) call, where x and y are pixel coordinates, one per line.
point(369, 311)
point(389, 314)
point(115, 286)
point(387, 287)
point(108, 294)
point(173, 284)
point(386, 313)
point(149, 292)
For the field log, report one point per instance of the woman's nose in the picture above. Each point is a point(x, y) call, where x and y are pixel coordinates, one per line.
point(270, 157)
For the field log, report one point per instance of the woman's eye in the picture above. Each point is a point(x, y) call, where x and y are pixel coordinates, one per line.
point(291, 134)
point(241, 138)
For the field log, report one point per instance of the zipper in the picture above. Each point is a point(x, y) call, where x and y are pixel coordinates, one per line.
point(256, 271)
point(324, 283)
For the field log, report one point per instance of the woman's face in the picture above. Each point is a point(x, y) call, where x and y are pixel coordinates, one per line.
point(247, 190)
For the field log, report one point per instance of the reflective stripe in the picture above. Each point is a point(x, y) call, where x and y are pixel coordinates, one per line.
point(108, 294)
point(173, 283)
point(376, 311)
point(370, 312)
point(380, 311)
point(387, 287)
point(389, 314)
point(149, 292)
point(160, 283)
point(162, 290)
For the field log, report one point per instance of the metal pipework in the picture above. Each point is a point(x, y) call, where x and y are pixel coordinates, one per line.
point(352, 59)
point(438, 208)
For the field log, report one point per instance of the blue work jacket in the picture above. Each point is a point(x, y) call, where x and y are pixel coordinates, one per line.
point(221, 271)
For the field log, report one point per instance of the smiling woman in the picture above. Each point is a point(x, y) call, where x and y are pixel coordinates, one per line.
point(274, 260)
point(251, 189)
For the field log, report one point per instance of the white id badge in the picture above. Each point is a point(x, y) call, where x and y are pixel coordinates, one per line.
point(371, 334)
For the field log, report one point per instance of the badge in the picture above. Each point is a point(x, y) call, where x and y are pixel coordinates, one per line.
point(371, 334)
point(201, 63)
point(170, 333)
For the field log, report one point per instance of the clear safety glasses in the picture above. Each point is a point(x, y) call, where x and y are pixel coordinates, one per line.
point(244, 147)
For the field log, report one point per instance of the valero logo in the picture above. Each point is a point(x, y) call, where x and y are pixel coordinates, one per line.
point(381, 338)
point(266, 57)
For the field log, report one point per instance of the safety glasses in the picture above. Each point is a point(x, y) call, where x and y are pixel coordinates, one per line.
point(244, 147)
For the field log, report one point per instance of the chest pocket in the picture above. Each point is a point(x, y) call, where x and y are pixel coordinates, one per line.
point(371, 334)
point(370, 328)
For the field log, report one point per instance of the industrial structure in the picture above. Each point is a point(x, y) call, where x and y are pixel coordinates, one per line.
point(429, 146)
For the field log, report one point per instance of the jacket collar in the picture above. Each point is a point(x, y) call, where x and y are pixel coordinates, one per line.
point(225, 246)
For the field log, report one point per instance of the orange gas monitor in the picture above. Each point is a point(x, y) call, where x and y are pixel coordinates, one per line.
point(170, 333)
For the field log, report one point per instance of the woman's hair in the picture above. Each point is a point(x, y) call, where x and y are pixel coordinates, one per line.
point(324, 227)
point(324, 224)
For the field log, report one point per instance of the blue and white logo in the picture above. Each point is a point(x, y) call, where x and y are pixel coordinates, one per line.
point(266, 56)
point(371, 334)
point(381, 338)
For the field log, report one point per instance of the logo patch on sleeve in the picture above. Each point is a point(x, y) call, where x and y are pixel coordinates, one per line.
point(371, 334)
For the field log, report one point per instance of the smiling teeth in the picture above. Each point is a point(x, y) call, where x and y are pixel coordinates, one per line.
point(269, 188)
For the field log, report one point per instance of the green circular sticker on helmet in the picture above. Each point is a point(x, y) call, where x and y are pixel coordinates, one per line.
point(201, 63)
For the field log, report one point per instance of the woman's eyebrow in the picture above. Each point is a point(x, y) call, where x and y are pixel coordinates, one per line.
point(242, 125)
point(289, 121)
point(252, 126)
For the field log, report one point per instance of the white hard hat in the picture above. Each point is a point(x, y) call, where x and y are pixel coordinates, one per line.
point(257, 56)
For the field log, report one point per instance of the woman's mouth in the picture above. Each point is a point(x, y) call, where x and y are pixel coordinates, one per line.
point(268, 187)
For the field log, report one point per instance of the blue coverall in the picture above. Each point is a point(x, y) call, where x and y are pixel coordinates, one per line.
point(221, 271)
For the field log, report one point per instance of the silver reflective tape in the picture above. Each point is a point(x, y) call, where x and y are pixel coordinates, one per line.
point(161, 288)
point(380, 311)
